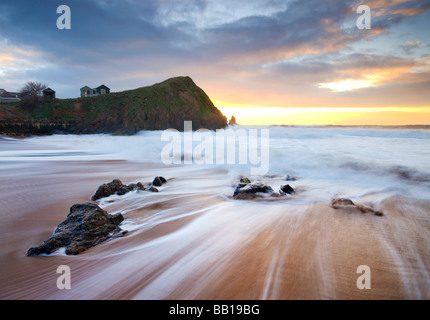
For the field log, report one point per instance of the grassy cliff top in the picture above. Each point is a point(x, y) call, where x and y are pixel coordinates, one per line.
point(175, 93)
point(157, 107)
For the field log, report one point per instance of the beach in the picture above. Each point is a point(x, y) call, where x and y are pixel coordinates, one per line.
point(193, 240)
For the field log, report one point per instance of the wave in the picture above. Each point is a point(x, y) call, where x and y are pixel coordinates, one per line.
point(373, 159)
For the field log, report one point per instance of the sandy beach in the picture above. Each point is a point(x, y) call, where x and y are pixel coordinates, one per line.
point(194, 243)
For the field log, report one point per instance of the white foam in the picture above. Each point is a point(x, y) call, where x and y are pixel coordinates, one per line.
point(329, 161)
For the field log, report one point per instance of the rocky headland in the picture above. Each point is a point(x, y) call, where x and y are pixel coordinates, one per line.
point(157, 107)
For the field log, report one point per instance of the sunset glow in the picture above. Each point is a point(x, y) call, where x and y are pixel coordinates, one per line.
point(327, 116)
point(346, 85)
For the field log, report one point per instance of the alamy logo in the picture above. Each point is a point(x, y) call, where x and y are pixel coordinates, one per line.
point(225, 146)
point(364, 21)
point(363, 281)
point(64, 281)
point(65, 20)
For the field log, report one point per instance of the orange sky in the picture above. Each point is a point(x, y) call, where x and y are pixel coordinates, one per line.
point(359, 95)
point(322, 116)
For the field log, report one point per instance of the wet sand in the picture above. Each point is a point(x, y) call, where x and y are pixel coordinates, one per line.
point(192, 241)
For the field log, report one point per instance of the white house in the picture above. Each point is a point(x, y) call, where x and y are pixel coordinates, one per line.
point(92, 92)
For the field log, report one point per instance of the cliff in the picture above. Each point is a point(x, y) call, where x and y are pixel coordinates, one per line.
point(160, 106)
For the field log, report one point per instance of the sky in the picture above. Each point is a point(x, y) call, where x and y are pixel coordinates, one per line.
point(263, 61)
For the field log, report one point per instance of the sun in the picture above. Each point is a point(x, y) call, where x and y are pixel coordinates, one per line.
point(347, 85)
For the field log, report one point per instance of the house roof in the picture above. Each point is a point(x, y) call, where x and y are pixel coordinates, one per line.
point(86, 88)
point(5, 94)
point(102, 86)
point(49, 90)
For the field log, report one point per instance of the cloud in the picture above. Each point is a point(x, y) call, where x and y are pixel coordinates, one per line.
point(273, 52)
point(406, 8)
point(409, 46)
point(360, 71)
point(17, 61)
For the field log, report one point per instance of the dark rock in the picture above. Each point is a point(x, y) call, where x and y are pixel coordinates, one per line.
point(347, 204)
point(152, 189)
point(341, 202)
point(124, 189)
point(245, 180)
point(232, 121)
point(148, 188)
point(133, 186)
point(85, 226)
point(29, 127)
point(159, 181)
point(252, 188)
point(286, 189)
point(116, 219)
point(242, 183)
point(115, 187)
point(105, 190)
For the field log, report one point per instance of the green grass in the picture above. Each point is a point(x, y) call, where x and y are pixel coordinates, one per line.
point(163, 96)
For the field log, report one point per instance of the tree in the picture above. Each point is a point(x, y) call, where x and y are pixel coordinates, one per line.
point(31, 94)
point(33, 88)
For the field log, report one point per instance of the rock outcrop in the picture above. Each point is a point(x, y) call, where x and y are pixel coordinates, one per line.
point(232, 121)
point(291, 178)
point(159, 181)
point(118, 188)
point(26, 127)
point(151, 189)
point(107, 189)
point(246, 189)
point(286, 189)
point(87, 225)
point(348, 204)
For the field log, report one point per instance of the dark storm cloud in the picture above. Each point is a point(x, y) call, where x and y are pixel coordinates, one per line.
point(101, 29)
point(302, 23)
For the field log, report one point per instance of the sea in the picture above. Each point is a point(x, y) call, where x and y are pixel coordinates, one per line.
point(324, 161)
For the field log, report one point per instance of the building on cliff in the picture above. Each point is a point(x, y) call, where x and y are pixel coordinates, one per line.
point(48, 94)
point(92, 92)
point(8, 97)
